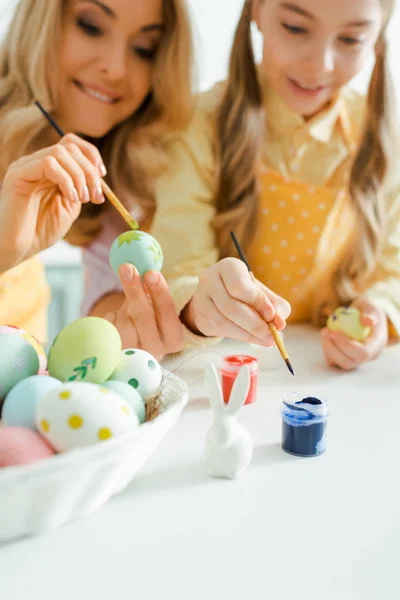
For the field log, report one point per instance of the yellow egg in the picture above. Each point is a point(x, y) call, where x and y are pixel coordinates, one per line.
point(348, 320)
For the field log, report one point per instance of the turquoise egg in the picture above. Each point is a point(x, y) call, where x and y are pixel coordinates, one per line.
point(87, 350)
point(19, 407)
point(137, 248)
point(131, 395)
point(18, 360)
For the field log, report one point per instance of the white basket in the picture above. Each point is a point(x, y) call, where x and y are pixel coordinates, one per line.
point(49, 493)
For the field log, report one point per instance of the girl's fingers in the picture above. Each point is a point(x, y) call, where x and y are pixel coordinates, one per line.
point(168, 322)
point(213, 323)
point(333, 356)
point(238, 313)
point(240, 285)
point(352, 349)
point(282, 306)
point(141, 311)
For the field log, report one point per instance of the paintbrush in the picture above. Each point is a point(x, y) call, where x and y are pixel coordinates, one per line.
point(106, 189)
point(271, 325)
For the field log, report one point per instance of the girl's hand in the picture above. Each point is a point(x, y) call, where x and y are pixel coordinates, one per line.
point(347, 354)
point(230, 302)
point(42, 194)
point(147, 319)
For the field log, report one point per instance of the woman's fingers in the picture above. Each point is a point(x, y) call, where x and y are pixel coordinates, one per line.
point(88, 150)
point(141, 311)
point(168, 322)
point(47, 168)
point(92, 186)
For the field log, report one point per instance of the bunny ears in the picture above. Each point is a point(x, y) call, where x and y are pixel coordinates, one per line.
point(239, 391)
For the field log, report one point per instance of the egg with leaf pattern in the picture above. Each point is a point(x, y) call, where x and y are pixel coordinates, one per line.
point(87, 349)
point(137, 248)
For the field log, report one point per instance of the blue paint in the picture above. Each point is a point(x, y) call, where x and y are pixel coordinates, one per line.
point(304, 420)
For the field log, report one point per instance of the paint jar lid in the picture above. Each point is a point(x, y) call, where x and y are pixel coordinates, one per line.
point(303, 407)
point(233, 363)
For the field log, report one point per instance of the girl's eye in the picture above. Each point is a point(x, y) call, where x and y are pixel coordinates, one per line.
point(145, 53)
point(294, 30)
point(351, 41)
point(88, 28)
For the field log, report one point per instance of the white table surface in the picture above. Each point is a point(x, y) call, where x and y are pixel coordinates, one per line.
point(325, 528)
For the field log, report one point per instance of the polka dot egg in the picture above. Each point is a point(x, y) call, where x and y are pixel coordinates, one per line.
point(137, 248)
point(141, 370)
point(79, 414)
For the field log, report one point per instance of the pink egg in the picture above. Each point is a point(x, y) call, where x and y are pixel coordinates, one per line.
point(20, 446)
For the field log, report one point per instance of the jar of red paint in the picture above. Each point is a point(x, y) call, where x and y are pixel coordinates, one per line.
point(229, 370)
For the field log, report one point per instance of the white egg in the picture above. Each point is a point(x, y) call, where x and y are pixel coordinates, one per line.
point(79, 414)
point(141, 370)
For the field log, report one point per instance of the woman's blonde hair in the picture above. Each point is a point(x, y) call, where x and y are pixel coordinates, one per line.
point(240, 127)
point(132, 151)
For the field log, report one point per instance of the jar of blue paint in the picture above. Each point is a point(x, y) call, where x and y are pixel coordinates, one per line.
point(304, 420)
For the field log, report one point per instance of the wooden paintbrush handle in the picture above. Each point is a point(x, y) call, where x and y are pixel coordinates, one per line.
point(120, 207)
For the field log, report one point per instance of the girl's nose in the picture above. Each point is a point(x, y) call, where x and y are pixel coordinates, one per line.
point(321, 59)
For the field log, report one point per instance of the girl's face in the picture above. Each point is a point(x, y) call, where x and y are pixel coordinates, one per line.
point(106, 61)
point(312, 48)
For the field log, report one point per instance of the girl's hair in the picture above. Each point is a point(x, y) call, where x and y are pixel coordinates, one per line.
point(132, 151)
point(240, 127)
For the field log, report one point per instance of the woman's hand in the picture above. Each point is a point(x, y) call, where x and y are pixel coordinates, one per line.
point(347, 354)
point(230, 302)
point(147, 319)
point(42, 194)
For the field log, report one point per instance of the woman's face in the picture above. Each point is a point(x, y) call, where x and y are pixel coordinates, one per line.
point(106, 59)
point(312, 48)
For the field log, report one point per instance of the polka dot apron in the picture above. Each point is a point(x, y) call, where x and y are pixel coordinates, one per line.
point(303, 231)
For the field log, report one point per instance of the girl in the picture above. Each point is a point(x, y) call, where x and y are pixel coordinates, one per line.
point(297, 164)
point(105, 71)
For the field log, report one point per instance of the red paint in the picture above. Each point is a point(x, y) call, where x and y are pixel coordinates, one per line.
point(229, 371)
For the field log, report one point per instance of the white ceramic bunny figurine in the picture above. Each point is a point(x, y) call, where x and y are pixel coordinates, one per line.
point(228, 449)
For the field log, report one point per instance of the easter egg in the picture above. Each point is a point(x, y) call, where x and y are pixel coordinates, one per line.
point(348, 320)
point(131, 395)
point(20, 446)
point(18, 360)
point(86, 350)
point(12, 330)
point(79, 414)
point(141, 370)
point(19, 407)
point(137, 248)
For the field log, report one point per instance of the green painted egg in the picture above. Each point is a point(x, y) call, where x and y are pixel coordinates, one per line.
point(18, 360)
point(137, 248)
point(86, 350)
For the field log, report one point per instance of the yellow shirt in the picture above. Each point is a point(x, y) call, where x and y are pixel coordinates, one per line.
point(313, 152)
point(24, 298)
